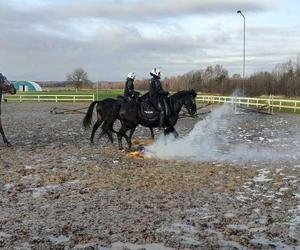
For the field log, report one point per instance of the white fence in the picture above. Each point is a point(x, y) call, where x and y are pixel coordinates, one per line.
point(51, 98)
point(253, 102)
point(245, 101)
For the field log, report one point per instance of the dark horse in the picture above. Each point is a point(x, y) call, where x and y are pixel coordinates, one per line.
point(132, 114)
point(5, 87)
point(107, 113)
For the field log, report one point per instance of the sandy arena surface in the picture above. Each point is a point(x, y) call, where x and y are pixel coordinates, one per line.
point(59, 192)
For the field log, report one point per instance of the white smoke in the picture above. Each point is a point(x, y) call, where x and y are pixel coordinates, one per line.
point(226, 136)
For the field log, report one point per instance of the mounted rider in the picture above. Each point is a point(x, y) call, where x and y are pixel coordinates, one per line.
point(129, 93)
point(157, 92)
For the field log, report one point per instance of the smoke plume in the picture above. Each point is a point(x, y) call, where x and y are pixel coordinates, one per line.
point(227, 136)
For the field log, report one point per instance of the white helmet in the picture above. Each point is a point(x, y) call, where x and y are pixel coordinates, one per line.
point(155, 72)
point(131, 75)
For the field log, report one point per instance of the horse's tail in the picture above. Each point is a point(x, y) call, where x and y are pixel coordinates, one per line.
point(88, 116)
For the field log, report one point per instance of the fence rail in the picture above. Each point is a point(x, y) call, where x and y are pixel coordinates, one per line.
point(246, 101)
point(254, 102)
point(50, 98)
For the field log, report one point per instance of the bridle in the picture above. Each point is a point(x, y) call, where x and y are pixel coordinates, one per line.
point(188, 108)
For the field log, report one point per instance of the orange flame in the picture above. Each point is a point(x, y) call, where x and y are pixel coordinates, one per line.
point(139, 154)
point(135, 155)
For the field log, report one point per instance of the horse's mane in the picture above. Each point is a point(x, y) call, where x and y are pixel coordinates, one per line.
point(184, 93)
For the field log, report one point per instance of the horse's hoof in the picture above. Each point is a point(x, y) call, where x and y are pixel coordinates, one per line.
point(8, 144)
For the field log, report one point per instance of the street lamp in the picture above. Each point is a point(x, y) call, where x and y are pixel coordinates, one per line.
point(240, 12)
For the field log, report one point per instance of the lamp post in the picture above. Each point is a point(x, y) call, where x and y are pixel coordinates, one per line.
point(240, 12)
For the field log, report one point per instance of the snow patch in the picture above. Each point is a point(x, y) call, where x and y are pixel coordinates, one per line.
point(262, 176)
point(58, 239)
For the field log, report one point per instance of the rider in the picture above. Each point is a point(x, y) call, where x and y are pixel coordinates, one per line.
point(157, 92)
point(129, 93)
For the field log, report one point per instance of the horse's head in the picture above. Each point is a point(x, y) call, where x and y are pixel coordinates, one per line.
point(6, 86)
point(190, 102)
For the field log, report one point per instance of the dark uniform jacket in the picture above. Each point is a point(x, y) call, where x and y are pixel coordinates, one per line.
point(156, 89)
point(129, 88)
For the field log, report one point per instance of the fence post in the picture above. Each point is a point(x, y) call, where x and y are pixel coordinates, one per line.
point(280, 105)
point(74, 98)
point(20, 98)
point(295, 107)
point(257, 103)
point(56, 99)
point(38, 98)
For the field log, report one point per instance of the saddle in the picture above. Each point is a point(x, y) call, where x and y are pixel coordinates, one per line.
point(148, 110)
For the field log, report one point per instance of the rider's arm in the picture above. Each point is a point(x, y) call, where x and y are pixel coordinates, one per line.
point(130, 87)
point(160, 89)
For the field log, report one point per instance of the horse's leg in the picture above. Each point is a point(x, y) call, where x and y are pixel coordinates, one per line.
point(8, 144)
point(110, 136)
point(121, 134)
point(176, 135)
point(131, 132)
point(128, 139)
point(101, 134)
point(152, 133)
point(95, 127)
point(171, 130)
point(110, 131)
point(167, 131)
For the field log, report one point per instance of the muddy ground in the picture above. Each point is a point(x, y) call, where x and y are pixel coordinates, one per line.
point(59, 192)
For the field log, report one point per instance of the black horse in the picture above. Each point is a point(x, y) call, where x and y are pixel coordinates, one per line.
point(132, 114)
point(5, 87)
point(107, 113)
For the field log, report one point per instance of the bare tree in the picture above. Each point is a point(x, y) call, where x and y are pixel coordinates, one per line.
point(284, 80)
point(78, 78)
point(236, 76)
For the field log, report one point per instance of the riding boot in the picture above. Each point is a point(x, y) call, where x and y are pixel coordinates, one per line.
point(162, 120)
point(167, 108)
point(162, 116)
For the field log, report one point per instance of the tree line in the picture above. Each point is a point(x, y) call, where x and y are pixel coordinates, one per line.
point(284, 80)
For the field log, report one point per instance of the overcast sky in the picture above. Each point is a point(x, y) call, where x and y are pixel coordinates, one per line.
point(46, 39)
